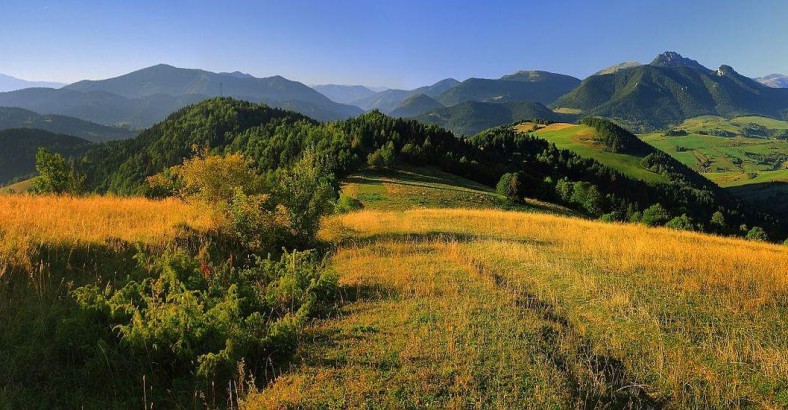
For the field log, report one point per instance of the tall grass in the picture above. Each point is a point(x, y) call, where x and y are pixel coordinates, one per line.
point(27, 221)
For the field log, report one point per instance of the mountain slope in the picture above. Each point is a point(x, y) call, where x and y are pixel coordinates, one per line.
point(389, 100)
point(9, 83)
point(11, 117)
point(656, 96)
point(533, 86)
point(416, 105)
point(98, 106)
point(344, 94)
point(621, 66)
point(471, 117)
point(18, 149)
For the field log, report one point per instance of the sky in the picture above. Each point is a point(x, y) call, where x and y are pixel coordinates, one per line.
point(399, 44)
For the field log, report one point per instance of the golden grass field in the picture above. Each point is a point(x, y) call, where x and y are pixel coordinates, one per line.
point(30, 220)
point(483, 308)
point(462, 308)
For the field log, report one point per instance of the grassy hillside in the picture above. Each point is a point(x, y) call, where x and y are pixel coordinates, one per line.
point(482, 308)
point(427, 187)
point(583, 140)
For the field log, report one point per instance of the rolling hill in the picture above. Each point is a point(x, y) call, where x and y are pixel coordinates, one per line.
point(18, 149)
point(389, 100)
point(345, 94)
point(670, 90)
point(471, 117)
point(11, 117)
point(533, 86)
point(743, 154)
point(416, 105)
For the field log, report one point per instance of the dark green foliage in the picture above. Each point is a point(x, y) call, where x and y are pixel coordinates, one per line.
point(382, 158)
point(188, 322)
point(55, 175)
point(617, 139)
point(757, 234)
point(19, 148)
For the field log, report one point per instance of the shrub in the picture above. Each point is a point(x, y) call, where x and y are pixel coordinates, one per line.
point(682, 222)
point(511, 186)
point(717, 222)
point(655, 215)
point(190, 318)
point(757, 234)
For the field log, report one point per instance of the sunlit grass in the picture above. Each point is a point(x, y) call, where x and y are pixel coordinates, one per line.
point(675, 318)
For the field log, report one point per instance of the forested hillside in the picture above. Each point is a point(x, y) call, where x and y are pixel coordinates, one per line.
point(273, 138)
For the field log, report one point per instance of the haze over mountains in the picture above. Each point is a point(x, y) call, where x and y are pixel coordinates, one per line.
point(9, 83)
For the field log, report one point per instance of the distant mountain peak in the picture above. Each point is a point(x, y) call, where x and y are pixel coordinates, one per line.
point(674, 59)
point(774, 80)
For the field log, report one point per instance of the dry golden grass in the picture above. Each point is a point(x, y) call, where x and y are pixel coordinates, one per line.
point(676, 318)
point(26, 221)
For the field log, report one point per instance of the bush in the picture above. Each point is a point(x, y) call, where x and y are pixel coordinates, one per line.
point(655, 215)
point(682, 222)
point(757, 234)
point(189, 318)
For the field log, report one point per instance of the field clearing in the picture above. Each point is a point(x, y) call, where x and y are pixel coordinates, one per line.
point(579, 139)
point(483, 308)
point(416, 187)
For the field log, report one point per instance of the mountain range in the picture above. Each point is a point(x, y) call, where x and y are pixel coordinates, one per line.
point(144, 97)
point(9, 83)
point(657, 95)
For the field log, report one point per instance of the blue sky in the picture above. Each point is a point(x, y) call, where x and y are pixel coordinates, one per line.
point(391, 43)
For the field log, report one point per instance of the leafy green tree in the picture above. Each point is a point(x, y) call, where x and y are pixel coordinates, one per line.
point(307, 191)
point(655, 215)
point(56, 176)
point(511, 186)
point(384, 157)
point(757, 234)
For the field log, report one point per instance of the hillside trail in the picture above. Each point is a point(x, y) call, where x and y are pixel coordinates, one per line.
point(423, 323)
